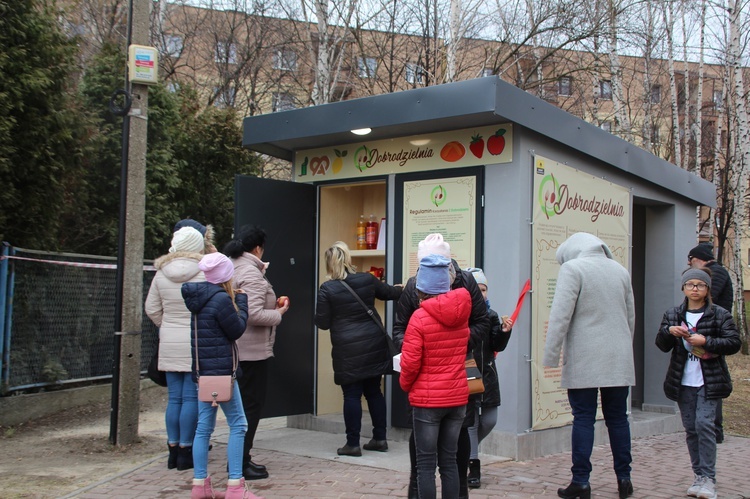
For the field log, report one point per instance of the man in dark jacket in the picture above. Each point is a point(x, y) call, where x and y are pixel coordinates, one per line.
point(478, 321)
point(722, 294)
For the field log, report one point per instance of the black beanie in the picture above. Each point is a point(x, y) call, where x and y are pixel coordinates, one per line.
point(702, 252)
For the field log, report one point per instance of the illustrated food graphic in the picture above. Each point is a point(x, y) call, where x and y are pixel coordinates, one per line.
point(338, 163)
point(496, 143)
point(319, 165)
point(452, 151)
point(362, 158)
point(477, 145)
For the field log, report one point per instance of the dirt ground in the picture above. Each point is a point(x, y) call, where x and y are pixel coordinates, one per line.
point(57, 455)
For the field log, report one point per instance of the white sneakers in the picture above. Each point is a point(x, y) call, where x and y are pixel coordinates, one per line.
point(702, 488)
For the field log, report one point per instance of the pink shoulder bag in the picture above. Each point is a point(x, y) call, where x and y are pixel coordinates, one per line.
point(215, 389)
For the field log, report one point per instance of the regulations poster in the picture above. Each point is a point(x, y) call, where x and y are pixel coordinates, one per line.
point(566, 201)
point(447, 206)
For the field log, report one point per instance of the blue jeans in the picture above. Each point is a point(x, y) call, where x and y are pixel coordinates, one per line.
point(182, 408)
point(436, 439)
point(353, 392)
point(615, 409)
point(698, 414)
point(237, 427)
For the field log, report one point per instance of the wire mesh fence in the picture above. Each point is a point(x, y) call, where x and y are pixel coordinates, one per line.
point(59, 319)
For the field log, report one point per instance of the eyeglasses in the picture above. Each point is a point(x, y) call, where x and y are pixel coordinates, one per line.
point(699, 287)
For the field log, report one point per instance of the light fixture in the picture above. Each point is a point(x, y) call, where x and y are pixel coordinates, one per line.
point(362, 131)
point(419, 142)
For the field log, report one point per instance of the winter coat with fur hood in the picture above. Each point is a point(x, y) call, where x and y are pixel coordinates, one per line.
point(166, 308)
point(592, 316)
point(219, 326)
point(722, 338)
point(434, 351)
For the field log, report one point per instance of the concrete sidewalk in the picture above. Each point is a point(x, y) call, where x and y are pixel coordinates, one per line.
point(303, 464)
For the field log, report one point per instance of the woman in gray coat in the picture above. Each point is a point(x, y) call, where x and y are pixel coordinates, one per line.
point(593, 318)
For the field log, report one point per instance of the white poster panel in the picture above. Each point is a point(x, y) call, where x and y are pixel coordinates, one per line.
point(566, 201)
point(443, 205)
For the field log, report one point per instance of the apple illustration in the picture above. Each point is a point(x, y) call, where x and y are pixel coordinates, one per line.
point(282, 300)
point(496, 143)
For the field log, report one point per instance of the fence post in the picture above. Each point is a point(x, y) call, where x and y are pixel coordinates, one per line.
point(6, 313)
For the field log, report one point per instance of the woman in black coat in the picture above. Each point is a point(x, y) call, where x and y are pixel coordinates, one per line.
point(359, 349)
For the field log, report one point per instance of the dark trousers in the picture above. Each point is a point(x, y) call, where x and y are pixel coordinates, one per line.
point(253, 386)
point(615, 409)
point(462, 460)
point(353, 392)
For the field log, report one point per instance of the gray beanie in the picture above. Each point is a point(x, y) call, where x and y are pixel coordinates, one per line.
point(696, 274)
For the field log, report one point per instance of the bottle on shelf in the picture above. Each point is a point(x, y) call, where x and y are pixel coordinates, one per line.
point(361, 233)
point(371, 233)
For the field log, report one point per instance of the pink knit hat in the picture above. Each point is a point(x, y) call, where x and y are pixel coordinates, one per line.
point(217, 268)
point(433, 245)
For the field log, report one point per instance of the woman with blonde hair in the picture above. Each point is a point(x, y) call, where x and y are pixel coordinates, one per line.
point(359, 347)
point(219, 318)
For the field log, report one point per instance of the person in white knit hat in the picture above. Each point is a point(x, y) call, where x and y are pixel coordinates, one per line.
point(166, 308)
point(435, 244)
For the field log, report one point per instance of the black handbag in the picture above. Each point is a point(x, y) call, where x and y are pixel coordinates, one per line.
point(154, 374)
point(392, 350)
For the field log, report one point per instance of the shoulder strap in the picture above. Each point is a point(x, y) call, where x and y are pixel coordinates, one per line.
point(367, 309)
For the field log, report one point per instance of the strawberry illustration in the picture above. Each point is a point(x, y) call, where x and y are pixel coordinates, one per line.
point(477, 145)
point(496, 143)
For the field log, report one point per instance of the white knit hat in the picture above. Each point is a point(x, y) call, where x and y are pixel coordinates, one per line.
point(187, 239)
point(478, 275)
point(433, 245)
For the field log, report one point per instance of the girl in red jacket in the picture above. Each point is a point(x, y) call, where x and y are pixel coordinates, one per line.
point(433, 374)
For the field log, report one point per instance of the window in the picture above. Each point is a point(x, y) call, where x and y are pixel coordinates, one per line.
point(606, 126)
point(226, 52)
point(655, 94)
point(285, 60)
point(718, 99)
point(488, 72)
point(605, 89)
point(225, 98)
point(173, 45)
point(563, 86)
point(283, 101)
point(414, 73)
point(173, 87)
point(367, 67)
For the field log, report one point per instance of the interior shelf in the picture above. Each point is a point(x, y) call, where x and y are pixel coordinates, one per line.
point(360, 253)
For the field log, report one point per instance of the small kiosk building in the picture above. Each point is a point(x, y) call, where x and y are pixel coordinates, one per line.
point(506, 178)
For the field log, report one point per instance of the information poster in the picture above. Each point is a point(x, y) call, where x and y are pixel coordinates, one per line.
point(566, 201)
point(446, 206)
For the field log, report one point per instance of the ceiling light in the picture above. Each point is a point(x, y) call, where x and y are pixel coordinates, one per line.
point(419, 142)
point(362, 131)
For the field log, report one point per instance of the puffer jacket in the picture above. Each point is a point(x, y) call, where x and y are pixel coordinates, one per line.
point(219, 326)
point(166, 308)
point(434, 351)
point(478, 320)
point(493, 340)
point(722, 338)
point(260, 332)
point(359, 349)
point(722, 293)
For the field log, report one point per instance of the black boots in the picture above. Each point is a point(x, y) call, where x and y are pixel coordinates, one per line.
point(253, 471)
point(378, 445)
point(349, 450)
point(575, 491)
point(624, 488)
point(172, 460)
point(184, 458)
point(475, 474)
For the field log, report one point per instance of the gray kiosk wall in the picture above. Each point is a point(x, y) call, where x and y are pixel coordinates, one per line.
point(663, 201)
